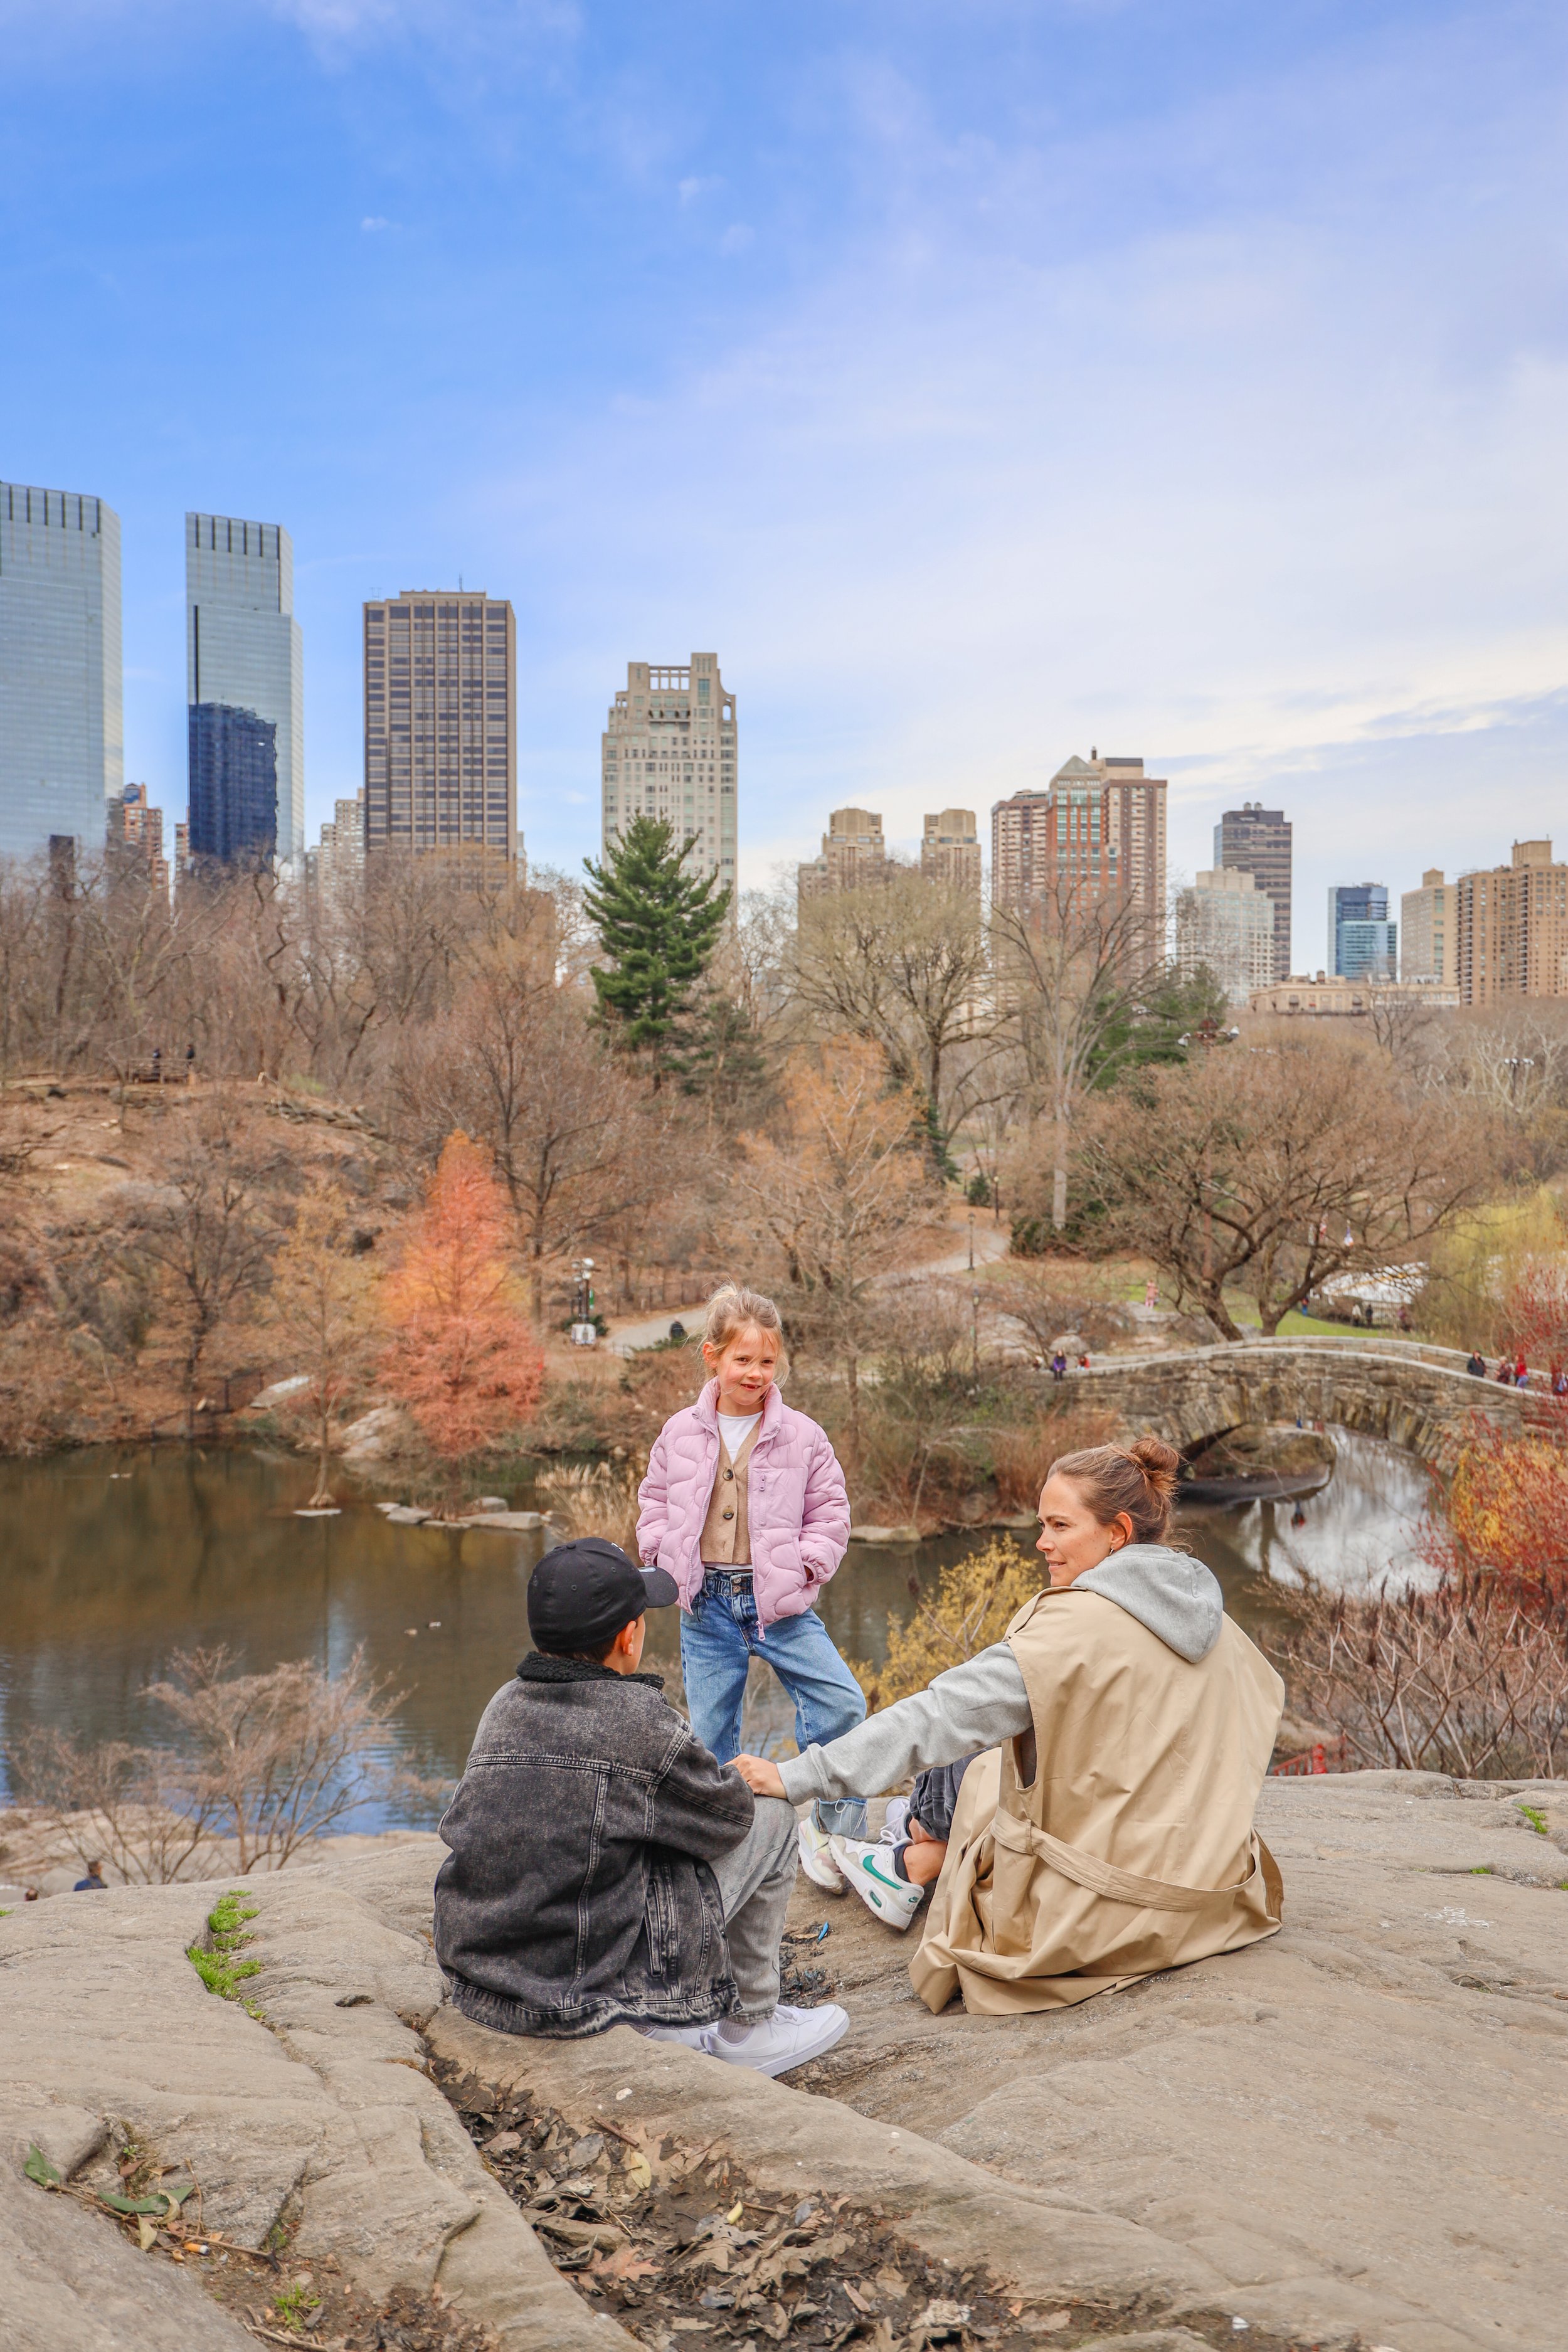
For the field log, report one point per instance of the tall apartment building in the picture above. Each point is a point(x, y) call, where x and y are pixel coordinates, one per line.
point(1429, 932)
point(1226, 924)
point(1513, 928)
point(244, 675)
point(1362, 943)
point(1097, 832)
point(62, 742)
point(668, 751)
point(854, 855)
point(338, 860)
point(950, 851)
point(136, 834)
point(440, 725)
point(1256, 841)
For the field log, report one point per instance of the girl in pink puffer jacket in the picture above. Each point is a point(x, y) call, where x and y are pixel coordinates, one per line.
point(744, 1505)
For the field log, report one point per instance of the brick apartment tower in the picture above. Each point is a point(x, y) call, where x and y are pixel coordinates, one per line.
point(440, 725)
point(1512, 923)
point(1099, 826)
point(1256, 841)
point(950, 851)
point(854, 855)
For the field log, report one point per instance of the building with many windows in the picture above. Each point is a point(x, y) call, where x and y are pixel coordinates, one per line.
point(1096, 833)
point(243, 655)
point(854, 855)
point(950, 851)
point(440, 725)
point(1256, 841)
point(1225, 925)
point(1429, 932)
point(668, 751)
point(1512, 928)
point(234, 791)
point(136, 835)
point(1362, 943)
point(62, 745)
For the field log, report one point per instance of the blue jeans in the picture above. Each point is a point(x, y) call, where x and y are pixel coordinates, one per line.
point(719, 1638)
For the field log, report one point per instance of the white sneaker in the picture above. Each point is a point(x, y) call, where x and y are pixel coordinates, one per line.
point(895, 1829)
point(880, 1889)
point(815, 1859)
point(694, 2036)
point(788, 2038)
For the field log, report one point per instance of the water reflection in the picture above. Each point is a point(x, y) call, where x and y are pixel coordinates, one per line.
point(115, 1558)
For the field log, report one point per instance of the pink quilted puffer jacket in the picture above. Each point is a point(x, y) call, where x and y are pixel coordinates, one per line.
point(795, 1504)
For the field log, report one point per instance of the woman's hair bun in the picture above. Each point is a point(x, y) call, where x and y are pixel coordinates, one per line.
point(1161, 1465)
point(1139, 1479)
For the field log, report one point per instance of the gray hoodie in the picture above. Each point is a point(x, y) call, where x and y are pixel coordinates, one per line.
point(983, 1702)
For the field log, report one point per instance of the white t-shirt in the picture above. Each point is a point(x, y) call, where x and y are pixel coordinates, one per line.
point(737, 1427)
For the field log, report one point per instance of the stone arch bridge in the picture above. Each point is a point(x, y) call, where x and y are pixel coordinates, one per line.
point(1418, 1397)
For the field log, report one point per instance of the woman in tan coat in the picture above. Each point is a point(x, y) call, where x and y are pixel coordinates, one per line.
point(1106, 1829)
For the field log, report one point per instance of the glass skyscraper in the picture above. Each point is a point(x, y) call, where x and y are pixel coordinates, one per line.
point(234, 785)
point(62, 745)
point(1362, 942)
point(243, 655)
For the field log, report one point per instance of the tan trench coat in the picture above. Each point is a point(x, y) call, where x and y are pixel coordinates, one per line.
point(1130, 1847)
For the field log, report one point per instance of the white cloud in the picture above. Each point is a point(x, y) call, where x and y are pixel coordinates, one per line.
point(374, 221)
point(689, 189)
point(736, 238)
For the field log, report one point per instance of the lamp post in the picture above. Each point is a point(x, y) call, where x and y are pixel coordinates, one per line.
point(974, 1333)
point(971, 1241)
point(583, 1333)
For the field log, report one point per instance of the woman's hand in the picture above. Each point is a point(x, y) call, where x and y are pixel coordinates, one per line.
point(763, 1778)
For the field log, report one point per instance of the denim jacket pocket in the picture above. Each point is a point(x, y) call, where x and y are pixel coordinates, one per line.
point(661, 1920)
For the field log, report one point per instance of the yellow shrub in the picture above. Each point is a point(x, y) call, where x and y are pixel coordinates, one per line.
point(974, 1600)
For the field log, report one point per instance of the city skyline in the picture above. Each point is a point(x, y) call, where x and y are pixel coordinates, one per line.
point(754, 377)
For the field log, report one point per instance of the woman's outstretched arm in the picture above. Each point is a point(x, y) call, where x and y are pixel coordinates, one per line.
point(977, 1705)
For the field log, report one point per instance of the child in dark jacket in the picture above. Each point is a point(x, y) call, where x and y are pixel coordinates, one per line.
point(604, 1869)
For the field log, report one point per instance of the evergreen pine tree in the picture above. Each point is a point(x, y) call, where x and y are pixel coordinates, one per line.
point(657, 925)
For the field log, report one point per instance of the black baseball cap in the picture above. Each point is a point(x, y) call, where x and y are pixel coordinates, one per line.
point(582, 1593)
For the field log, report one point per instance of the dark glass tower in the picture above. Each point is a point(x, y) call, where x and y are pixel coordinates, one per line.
point(234, 785)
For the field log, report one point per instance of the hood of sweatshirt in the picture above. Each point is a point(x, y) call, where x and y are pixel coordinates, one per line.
point(1170, 1591)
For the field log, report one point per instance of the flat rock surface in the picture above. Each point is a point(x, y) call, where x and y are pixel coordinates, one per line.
point(1355, 2133)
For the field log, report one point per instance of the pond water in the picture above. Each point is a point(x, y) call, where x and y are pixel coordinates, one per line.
point(115, 1558)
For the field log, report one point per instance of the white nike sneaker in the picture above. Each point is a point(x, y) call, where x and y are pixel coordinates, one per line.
point(814, 1858)
point(868, 1869)
point(694, 2036)
point(895, 1829)
point(774, 2044)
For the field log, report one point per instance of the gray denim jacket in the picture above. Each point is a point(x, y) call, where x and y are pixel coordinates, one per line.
point(578, 1893)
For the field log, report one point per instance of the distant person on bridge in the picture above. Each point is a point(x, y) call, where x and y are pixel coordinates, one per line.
point(1476, 1366)
point(744, 1506)
point(1104, 1831)
point(1505, 1371)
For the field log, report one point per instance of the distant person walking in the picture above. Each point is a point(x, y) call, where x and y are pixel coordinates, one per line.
point(1505, 1371)
point(1476, 1366)
point(1521, 1374)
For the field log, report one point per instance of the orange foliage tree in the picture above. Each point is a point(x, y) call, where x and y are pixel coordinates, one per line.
point(464, 1359)
point(1507, 1515)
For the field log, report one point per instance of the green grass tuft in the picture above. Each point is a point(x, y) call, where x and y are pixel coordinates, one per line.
point(1535, 1817)
point(217, 1962)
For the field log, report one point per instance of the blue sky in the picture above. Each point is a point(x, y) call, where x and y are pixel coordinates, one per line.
point(983, 381)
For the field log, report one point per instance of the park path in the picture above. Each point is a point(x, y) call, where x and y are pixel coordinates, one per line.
point(990, 1243)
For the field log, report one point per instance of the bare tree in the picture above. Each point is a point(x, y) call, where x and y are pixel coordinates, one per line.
point(1070, 973)
point(322, 1309)
point(1272, 1169)
point(835, 1206)
point(206, 1233)
point(903, 964)
point(266, 1763)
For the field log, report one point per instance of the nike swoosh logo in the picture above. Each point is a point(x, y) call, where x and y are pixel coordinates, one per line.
point(871, 1871)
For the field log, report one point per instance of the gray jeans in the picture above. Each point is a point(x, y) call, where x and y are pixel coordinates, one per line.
point(756, 1879)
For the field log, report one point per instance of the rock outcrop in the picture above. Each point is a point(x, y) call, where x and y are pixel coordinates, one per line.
point(1353, 2133)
